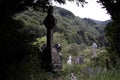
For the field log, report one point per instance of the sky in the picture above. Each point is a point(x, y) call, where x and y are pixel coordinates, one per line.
point(91, 10)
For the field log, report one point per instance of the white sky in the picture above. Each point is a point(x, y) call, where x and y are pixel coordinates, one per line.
point(91, 10)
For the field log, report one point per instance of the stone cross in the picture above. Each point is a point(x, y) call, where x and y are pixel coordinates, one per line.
point(50, 23)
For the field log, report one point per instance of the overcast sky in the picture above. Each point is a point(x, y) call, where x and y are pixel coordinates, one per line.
point(91, 10)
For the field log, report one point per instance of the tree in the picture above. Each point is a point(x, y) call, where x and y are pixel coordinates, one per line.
point(112, 6)
point(112, 34)
point(15, 46)
point(112, 30)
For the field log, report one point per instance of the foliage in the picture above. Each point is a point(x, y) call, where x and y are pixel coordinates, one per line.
point(112, 45)
point(77, 30)
point(112, 33)
point(74, 49)
point(95, 70)
point(112, 6)
point(107, 75)
point(112, 29)
point(60, 38)
point(79, 39)
point(14, 46)
point(19, 58)
point(39, 41)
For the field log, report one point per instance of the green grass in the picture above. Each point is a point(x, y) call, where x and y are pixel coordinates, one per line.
point(108, 75)
point(103, 74)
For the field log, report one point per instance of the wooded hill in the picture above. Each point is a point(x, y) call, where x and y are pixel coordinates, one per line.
point(73, 29)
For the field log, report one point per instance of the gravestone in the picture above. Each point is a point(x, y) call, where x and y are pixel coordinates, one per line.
point(50, 23)
point(93, 47)
point(79, 60)
point(69, 60)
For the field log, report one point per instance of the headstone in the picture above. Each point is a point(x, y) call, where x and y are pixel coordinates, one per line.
point(56, 59)
point(50, 23)
point(69, 60)
point(79, 60)
point(93, 47)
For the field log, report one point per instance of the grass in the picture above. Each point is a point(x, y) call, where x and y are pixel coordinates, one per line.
point(108, 75)
point(103, 74)
point(81, 71)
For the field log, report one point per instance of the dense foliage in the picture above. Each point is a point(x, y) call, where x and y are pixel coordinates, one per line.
point(19, 48)
point(72, 38)
point(78, 30)
point(16, 37)
point(112, 30)
point(112, 7)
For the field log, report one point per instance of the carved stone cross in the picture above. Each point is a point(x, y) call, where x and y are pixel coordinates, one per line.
point(50, 23)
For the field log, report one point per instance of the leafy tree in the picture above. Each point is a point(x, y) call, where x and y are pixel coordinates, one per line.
point(112, 6)
point(113, 43)
point(112, 30)
point(15, 45)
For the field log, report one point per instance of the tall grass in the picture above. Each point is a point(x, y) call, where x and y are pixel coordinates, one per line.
point(108, 75)
point(103, 74)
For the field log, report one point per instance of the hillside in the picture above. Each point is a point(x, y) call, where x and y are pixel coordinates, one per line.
point(102, 23)
point(79, 30)
point(22, 37)
point(75, 29)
